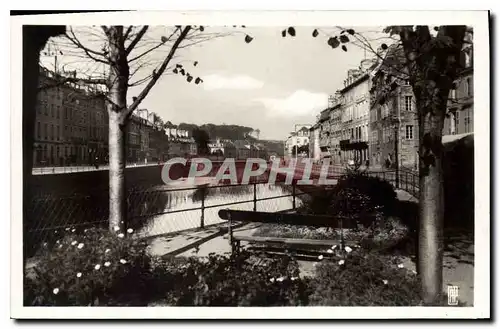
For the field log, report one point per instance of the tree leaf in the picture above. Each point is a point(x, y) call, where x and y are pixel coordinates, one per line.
point(383, 46)
point(189, 78)
point(344, 48)
point(202, 28)
point(291, 31)
point(283, 33)
point(333, 42)
point(344, 38)
point(178, 65)
point(436, 28)
point(175, 71)
point(315, 33)
point(198, 80)
point(195, 63)
point(243, 26)
point(183, 72)
point(248, 39)
point(164, 39)
point(350, 31)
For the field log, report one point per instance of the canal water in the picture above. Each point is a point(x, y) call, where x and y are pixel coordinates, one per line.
point(182, 209)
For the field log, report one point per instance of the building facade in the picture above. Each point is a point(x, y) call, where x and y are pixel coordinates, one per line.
point(460, 116)
point(70, 125)
point(354, 122)
point(295, 141)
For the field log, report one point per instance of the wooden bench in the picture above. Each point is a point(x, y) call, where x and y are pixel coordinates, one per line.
point(233, 216)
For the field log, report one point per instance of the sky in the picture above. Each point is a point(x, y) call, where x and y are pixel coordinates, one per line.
point(271, 83)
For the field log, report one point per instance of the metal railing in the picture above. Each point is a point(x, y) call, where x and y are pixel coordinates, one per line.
point(51, 216)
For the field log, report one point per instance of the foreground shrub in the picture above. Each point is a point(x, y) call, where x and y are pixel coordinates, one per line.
point(238, 281)
point(365, 280)
point(93, 267)
point(355, 195)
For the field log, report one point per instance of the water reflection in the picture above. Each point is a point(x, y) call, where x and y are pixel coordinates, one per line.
point(214, 199)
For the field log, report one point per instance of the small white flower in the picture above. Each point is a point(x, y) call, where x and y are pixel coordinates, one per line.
point(116, 228)
point(293, 278)
point(341, 262)
point(348, 249)
point(385, 281)
point(97, 267)
point(73, 230)
point(55, 231)
point(45, 244)
point(280, 279)
point(55, 291)
point(130, 230)
point(401, 266)
point(123, 261)
point(121, 222)
point(107, 250)
point(80, 245)
point(85, 231)
point(60, 246)
point(334, 246)
point(320, 257)
point(330, 251)
point(107, 264)
point(67, 228)
point(121, 235)
point(79, 274)
point(272, 279)
point(57, 241)
point(73, 243)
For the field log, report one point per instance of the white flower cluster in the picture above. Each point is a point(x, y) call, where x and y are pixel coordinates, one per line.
point(283, 278)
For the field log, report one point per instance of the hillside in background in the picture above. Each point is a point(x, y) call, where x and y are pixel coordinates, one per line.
point(232, 132)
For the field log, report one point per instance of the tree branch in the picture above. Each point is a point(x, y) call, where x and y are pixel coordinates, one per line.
point(155, 78)
point(138, 38)
point(153, 48)
point(87, 51)
point(129, 29)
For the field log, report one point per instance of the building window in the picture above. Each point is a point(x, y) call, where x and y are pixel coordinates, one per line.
point(457, 121)
point(467, 121)
point(409, 132)
point(58, 108)
point(408, 103)
point(52, 132)
point(46, 107)
point(57, 132)
point(45, 131)
point(467, 59)
point(38, 133)
point(468, 90)
point(453, 94)
point(52, 110)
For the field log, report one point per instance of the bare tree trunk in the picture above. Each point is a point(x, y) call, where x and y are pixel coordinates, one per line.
point(117, 104)
point(431, 246)
point(117, 187)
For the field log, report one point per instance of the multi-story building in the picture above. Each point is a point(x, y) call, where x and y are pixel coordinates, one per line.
point(314, 149)
point(71, 123)
point(336, 130)
point(324, 134)
point(393, 115)
point(460, 116)
point(295, 141)
point(355, 99)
